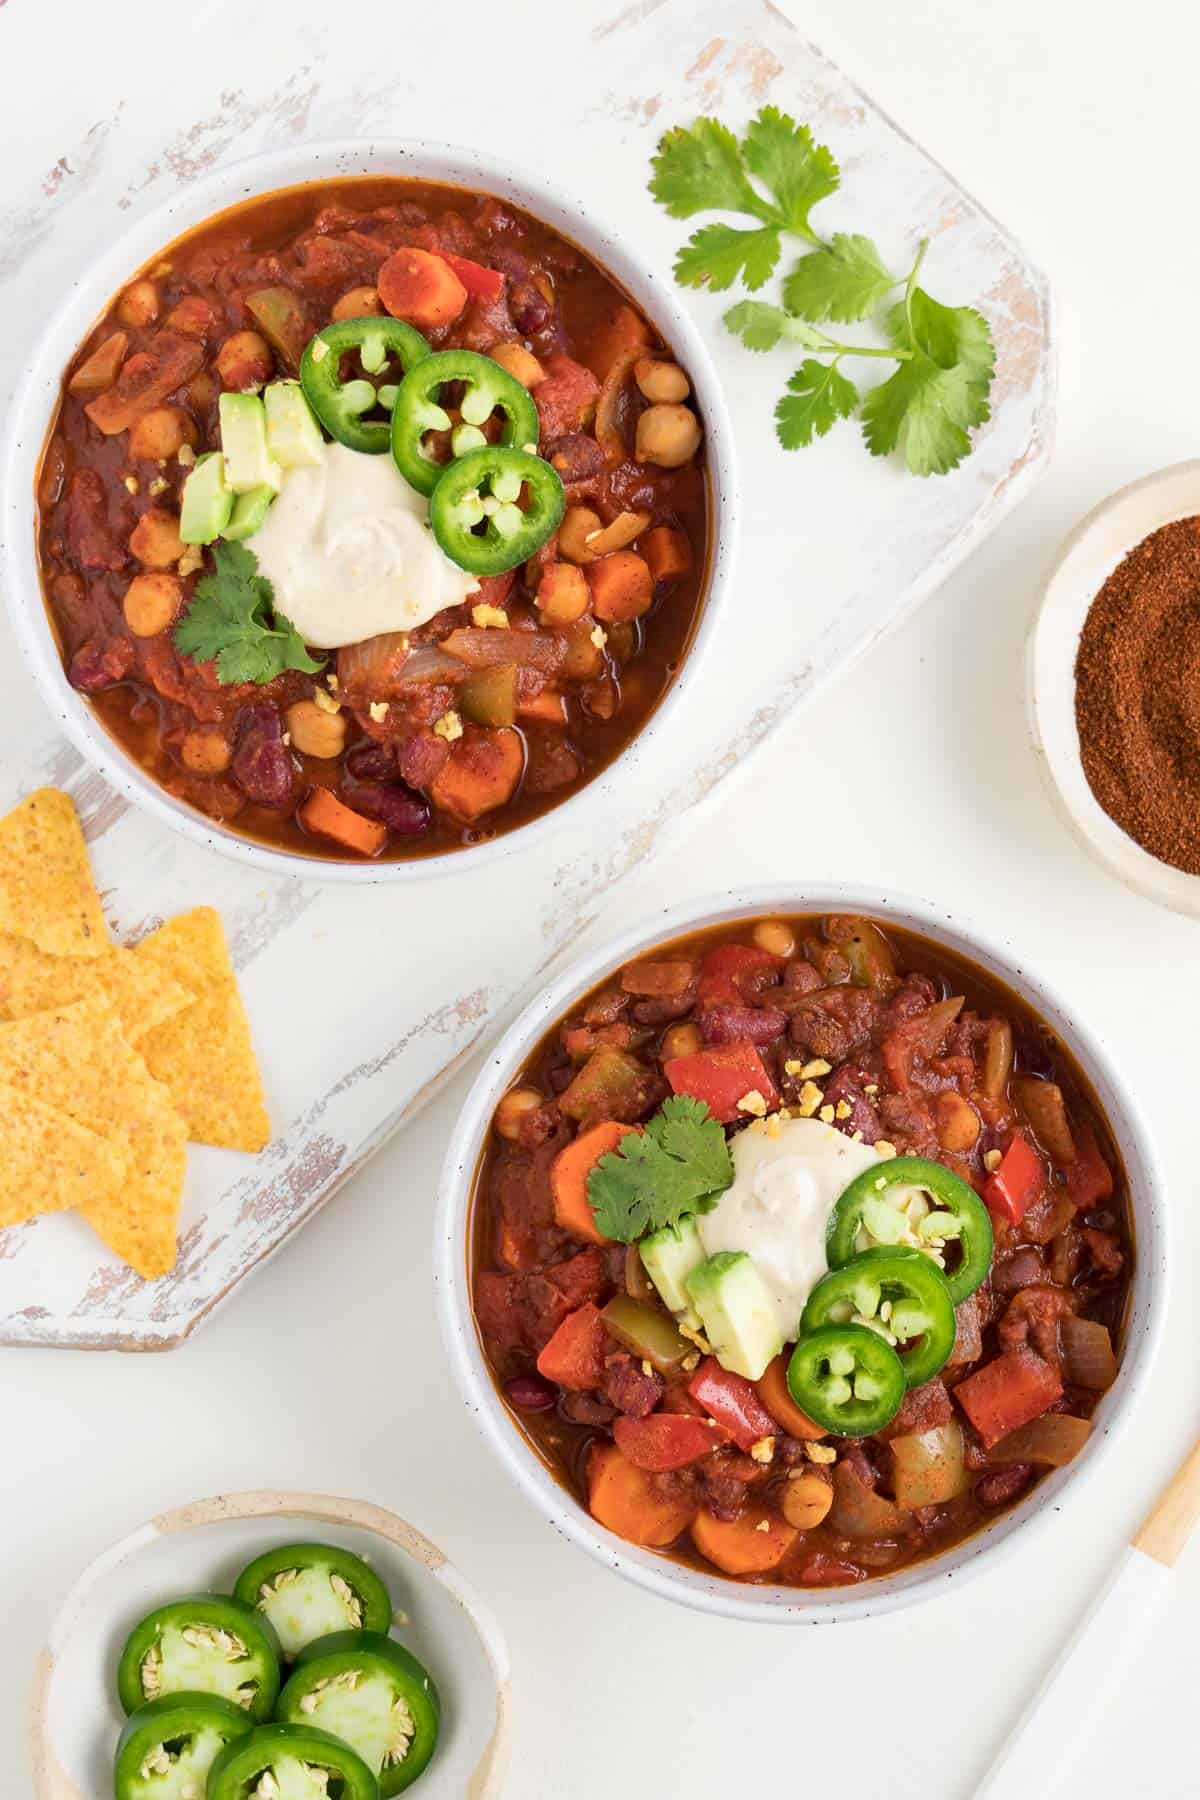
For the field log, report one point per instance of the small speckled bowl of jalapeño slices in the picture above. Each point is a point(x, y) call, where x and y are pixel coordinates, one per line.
point(290, 1688)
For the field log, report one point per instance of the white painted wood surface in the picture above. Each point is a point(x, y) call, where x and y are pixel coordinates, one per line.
point(362, 1000)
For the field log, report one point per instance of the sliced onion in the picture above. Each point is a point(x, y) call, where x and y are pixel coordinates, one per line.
point(543, 650)
point(373, 666)
point(1088, 1358)
point(1042, 1106)
point(624, 529)
point(928, 1466)
point(997, 1058)
point(1055, 1439)
point(607, 427)
point(859, 1512)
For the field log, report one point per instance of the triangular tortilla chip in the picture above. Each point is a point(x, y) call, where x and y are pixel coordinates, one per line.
point(50, 1162)
point(204, 1054)
point(46, 889)
point(136, 991)
point(77, 1059)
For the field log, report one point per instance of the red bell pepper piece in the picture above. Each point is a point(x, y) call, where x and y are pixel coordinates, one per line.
point(1089, 1178)
point(574, 1357)
point(480, 282)
point(667, 1440)
point(1008, 1392)
point(1015, 1184)
point(823, 1570)
point(724, 969)
point(721, 1077)
point(733, 1403)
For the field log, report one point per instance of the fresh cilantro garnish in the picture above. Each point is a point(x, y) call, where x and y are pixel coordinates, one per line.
point(776, 174)
point(232, 620)
point(678, 1163)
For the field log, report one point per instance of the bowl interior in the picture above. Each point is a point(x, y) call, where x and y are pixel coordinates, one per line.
point(1086, 561)
point(204, 1547)
point(712, 1593)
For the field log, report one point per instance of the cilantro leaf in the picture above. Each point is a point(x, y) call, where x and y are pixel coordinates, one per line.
point(928, 407)
point(761, 327)
point(677, 1164)
point(716, 255)
point(818, 396)
point(232, 622)
point(700, 170)
point(796, 170)
point(844, 281)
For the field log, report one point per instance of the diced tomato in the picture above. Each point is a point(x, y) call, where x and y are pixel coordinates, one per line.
point(480, 282)
point(721, 1077)
point(1089, 1178)
point(667, 1440)
point(574, 1357)
point(725, 968)
point(1012, 1390)
point(1015, 1184)
point(732, 1402)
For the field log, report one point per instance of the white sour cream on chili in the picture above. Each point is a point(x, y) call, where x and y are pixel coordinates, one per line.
point(348, 550)
point(788, 1175)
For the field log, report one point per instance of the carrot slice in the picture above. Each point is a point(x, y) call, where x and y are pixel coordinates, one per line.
point(621, 586)
point(482, 772)
point(751, 1545)
point(775, 1395)
point(323, 812)
point(569, 1174)
point(630, 1502)
point(545, 708)
point(422, 288)
point(574, 1356)
point(666, 553)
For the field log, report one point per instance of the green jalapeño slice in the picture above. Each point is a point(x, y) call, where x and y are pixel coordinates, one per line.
point(486, 389)
point(290, 1762)
point(900, 1297)
point(369, 1691)
point(916, 1204)
point(168, 1746)
point(309, 1590)
point(492, 508)
point(343, 406)
point(847, 1379)
point(205, 1644)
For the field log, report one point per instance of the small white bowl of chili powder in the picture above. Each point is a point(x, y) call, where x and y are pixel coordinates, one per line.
point(1114, 685)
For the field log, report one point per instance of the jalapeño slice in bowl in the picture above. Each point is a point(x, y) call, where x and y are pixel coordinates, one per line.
point(920, 1205)
point(847, 1379)
point(204, 1644)
point(487, 389)
point(371, 1692)
point(342, 406)
point(492, 508)
point(899, 1296)
point(290, 1762)
point(169, 1745)
point(310, 1590)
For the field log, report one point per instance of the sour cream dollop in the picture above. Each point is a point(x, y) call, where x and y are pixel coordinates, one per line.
point(348, 550)
point(788, 1176)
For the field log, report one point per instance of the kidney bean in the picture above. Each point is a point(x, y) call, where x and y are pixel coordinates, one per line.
point(372, 762)
point(1003, 1485)
point(96, 666)
point(530, 1393)
point(735, 1024)
point(261, 764)
point(529, 308)
point(402, 811)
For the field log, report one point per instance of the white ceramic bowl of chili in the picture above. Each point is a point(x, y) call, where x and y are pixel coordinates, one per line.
point(713, 1593)
point(36, 403)
point(1086, 560)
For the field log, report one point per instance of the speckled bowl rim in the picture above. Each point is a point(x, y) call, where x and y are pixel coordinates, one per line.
point(983, 1551)
point(51, 1782)
point(89, 294)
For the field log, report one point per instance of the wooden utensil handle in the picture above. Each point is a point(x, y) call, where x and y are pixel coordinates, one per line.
point(1167, 1529)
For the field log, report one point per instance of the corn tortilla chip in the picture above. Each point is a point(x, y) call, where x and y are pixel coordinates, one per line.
point(77, 1060)
point(47, 893)
point(50, 1162)
point(204, 1054)
point(140, 995)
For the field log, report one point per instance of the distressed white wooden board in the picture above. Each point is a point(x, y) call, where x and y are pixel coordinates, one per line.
point(362, 999)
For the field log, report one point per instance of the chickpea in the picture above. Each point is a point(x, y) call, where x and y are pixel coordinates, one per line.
point(205, 752)
point(668, 436)
point(512, 1109)
point(245, 362)
point(521, 364)
point(579, 523)
point(315, 732)
point(661, 381)
point(359, 303)
point(151, 602)
point(681, 1040)
point(155, 539)
point(584, 657)
point(562, 595)
point(160, 434)
point(775, 937)
point(956, 1120)
point(806, 1500)
point(139, 303)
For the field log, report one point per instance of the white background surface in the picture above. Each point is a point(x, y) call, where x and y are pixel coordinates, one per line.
point(325, 1371)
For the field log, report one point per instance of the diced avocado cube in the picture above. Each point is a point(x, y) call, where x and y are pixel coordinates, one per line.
point(735, 1308)
point(669, 1256)
point(248, 462)
point(207, 501)
point(293, 435)
point(249, 511)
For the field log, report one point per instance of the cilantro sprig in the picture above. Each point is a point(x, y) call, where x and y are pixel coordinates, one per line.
point(233, 621)
point(678, 1163)
point(944, 356)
